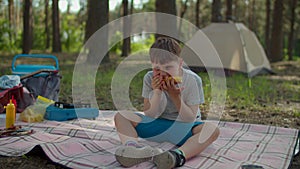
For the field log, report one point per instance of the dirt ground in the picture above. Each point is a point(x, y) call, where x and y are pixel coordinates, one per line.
point(36, 159)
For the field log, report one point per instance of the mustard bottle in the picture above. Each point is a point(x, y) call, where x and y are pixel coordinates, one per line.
point(10, 114)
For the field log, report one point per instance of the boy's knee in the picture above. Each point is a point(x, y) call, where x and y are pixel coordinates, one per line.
point(216, 133)
point(132, 118)
point(118, 117)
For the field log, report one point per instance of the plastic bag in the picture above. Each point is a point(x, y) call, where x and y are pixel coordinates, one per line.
point(36, 112)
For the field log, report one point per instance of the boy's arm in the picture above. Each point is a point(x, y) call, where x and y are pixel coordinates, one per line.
point(187, 113)
point(152, 105)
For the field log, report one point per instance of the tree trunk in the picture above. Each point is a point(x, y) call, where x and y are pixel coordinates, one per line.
point(276, 52)
point(166, 25)
point(126, 30)
point(68, 7)
point(252, 15)
point(11, 20)
point(235, 10)
point(56, 43)
point(104, 19)
point(27, 27)
point(267, 27)
point(93, 22)
point(183, 10)
point(18, 17)
point(229, 10)
point(216, 11)
point(47, 31)
point(131, 7)
point(293, 5)
point(131, 12)
point(197, 9)
point(68, 30)
point(97, 17)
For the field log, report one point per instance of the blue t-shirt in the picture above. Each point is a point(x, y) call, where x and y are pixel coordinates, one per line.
point(192, 94)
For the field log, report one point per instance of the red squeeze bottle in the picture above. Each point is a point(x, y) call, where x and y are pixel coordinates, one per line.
point(14, 101)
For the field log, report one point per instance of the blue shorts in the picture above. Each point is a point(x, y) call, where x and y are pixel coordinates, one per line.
point(164, 130)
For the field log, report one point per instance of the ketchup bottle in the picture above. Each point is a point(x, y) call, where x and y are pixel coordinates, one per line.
point(10, 114)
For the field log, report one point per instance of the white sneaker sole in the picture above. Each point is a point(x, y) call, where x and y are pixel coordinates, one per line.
point(164, 160)
point(129, 156)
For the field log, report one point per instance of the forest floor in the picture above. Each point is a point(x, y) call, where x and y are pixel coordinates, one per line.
point(285, 71)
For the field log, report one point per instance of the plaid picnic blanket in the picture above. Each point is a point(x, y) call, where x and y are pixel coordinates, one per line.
point(83, 143)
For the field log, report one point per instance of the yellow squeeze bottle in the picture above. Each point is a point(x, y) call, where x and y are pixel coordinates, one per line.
point(10, 114)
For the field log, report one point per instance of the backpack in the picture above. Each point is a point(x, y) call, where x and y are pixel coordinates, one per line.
point(46, 84)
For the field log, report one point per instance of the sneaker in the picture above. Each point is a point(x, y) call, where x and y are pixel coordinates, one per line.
point(134, 144)
point(129, 156)
point(165, 160)
point(169, 159)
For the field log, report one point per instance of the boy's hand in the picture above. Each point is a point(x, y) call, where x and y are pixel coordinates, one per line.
point(170, 86)
point(156, 82)
point(156, 79)
point(164, 81)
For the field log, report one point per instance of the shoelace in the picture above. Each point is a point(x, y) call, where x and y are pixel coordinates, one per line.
point(152, 156)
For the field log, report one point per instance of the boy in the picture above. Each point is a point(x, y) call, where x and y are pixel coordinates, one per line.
point(172, 96)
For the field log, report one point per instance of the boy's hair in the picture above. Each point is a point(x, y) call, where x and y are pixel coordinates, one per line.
point(164, 50)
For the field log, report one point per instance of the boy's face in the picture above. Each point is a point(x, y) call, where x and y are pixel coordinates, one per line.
point(172, 68)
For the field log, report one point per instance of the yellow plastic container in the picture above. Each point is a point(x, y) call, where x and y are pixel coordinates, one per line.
point(10, 115)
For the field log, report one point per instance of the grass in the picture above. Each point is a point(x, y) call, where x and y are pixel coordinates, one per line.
point(240, 95)
point(269, 99)
point(258, 94)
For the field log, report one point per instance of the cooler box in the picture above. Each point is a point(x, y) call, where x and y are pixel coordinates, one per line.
point(25, 69)
point(62, 112)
